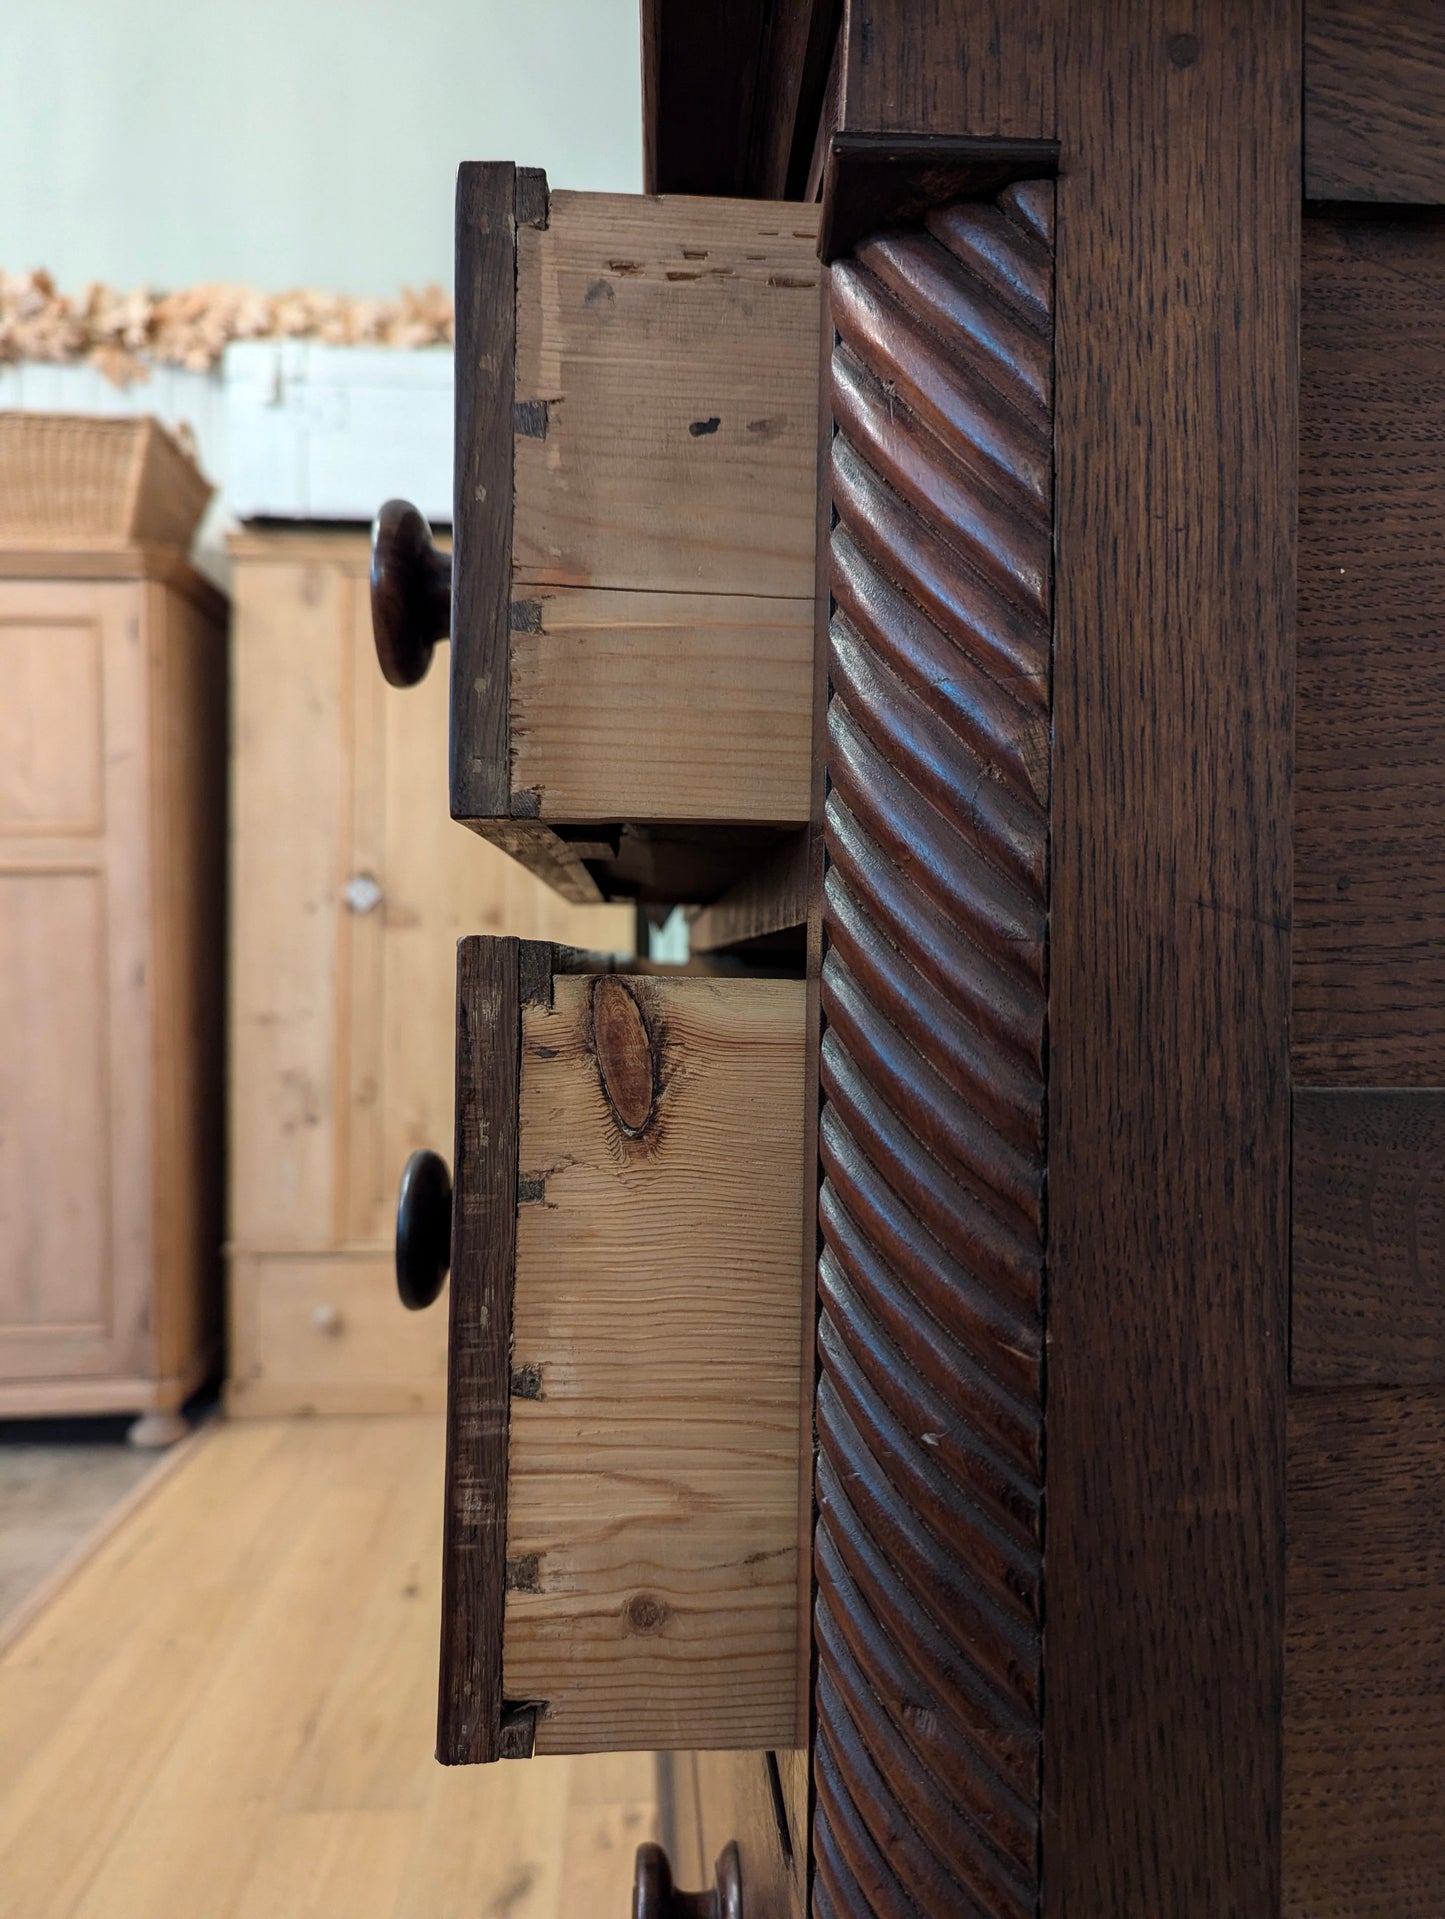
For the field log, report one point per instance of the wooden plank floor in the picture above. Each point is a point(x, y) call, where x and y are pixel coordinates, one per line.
point(54, 1492)
point(228, 1713)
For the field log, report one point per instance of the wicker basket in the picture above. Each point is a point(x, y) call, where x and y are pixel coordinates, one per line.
point(70, 478)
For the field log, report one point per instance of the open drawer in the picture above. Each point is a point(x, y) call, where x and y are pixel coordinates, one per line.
point(621, 1558)
point(631, 610)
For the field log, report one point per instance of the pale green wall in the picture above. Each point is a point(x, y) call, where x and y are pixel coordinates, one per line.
point(286, 142)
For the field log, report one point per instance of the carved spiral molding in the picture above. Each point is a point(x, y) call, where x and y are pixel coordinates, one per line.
point(930, 1410)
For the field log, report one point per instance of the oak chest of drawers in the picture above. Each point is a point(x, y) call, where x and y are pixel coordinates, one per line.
point(1115, 920)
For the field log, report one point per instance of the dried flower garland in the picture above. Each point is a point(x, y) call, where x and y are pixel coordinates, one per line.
point(123, 334)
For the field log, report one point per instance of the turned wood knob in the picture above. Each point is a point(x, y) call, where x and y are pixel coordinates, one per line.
point(411, 592)
point(423, 1229)
point(655, 1897)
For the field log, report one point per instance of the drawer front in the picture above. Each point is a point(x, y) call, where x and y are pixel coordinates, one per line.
point(320, 1333)
point(625, 1372)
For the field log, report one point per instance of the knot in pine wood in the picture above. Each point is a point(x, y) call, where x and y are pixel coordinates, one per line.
point(627, 1063)
point(646, 1613)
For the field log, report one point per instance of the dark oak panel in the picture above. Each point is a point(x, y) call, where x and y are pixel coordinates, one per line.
point(1169, 957)
point(1369, 947)
point(1364, 1827)
point(1375, 100)
point(1368, 1302)
point(980, 68)
point(1176, 472)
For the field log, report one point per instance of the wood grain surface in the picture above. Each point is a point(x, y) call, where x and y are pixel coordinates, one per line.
point(636, 411)
point(928, 1547)
point(290, 826)
point(668, 347)
point(1375, 100)
point(1368, 1275)
point(1364, 1816)
point(546, 856)
point(486, 319)
point(769, 905)
point(1369, 941)
point(1176, 458)
point(1176, 461)
point(474, 1722)
point(663, 706)
point(60, 1497)
point(985, 69)
point(264, 1628)
point(652, 1528)
point(320, 1332)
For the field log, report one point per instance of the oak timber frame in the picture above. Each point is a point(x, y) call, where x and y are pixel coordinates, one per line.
point(1082, 1717)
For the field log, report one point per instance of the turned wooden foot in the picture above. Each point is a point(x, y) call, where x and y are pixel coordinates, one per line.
point(154, 1431)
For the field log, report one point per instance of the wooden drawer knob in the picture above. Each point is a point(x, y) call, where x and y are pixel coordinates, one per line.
point(655, 1897)
point(423, 1229)
point(411, 592)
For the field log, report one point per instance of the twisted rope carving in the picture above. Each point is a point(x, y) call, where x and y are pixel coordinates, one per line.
point(930, 1471)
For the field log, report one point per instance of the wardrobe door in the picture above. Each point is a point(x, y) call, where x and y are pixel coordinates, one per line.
point(77, 1231)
